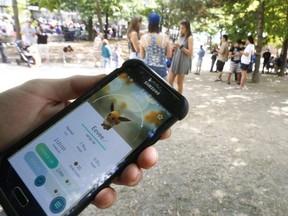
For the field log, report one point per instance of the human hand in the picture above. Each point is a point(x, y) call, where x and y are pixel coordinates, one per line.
point(26, 107)
point(176, 45)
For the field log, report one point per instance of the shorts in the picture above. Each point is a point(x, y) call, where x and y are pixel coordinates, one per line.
point(199, 63)
point(220, 65)
point(234, 67)
point(244, 67)
point(161, 71)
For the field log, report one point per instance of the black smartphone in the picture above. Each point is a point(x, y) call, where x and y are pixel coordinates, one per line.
point(60, 167)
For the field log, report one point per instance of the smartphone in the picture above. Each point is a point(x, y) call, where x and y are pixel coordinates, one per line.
point(60, 167)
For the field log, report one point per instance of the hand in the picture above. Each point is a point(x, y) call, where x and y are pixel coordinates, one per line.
point(176, 45)
point(26, 107)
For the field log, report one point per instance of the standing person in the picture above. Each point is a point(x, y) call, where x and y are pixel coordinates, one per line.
point(235, 56)
point(116, 56)
point(182, 59)
point(201, 54)
point(214, 57)
point(133, 35)
point(42, 41)
point(266, 55)
point(106, 54)
point(97, 49)
point(29, 32)
point(222, 57)
point(2, 36)
point(246, 60)
point(155, 46)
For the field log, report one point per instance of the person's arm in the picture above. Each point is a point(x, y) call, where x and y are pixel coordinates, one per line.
point(168, 48)
point(230, 54)
point(26, 107)
point(134, 41)
point(189, 51)
point(142, 49)
point(247, 51)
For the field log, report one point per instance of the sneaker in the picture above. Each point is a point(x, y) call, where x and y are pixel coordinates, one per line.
point(218, 80)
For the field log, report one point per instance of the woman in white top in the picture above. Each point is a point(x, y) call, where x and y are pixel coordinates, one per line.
point(246, 59)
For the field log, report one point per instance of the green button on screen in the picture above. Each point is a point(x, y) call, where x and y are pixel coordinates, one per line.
point(46, 155)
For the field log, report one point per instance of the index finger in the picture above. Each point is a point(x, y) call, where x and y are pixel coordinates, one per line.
point(72, 87)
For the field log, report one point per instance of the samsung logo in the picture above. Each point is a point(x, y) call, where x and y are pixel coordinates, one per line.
point(151, 87)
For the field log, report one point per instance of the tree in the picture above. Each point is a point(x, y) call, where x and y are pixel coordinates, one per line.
point(260, 31)
point(16, 19)
point(276, 25)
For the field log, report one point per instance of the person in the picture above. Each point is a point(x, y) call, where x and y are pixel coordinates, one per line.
point(2, 36)
point(97, 49)
point(214, 53)
point(246, 60)
point(40, 100)
point(42, 41)
point(68, 54)
point(271, 64)
point(182, 59)
point(201, 54)
point(105, 54)
point(155, 47)
point(133, 35)
point(222, 57)
point(278, 63)
point(29, 32)
point(58, 30)
point(116, 56)
point(235, 56)
point(266, 56)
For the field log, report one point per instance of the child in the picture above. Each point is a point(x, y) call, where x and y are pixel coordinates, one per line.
point(116, 55)
point(68, 54)
point(201, 54)
point(106, 54)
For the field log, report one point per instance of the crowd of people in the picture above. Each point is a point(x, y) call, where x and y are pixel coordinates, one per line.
point(171, 59)
point(242, 58)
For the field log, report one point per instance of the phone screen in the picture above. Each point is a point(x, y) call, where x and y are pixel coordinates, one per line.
point(83, 149)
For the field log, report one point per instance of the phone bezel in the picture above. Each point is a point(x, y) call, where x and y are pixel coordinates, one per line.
point(177, 105)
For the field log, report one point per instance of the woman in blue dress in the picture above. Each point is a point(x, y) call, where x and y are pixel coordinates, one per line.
point(155, 47)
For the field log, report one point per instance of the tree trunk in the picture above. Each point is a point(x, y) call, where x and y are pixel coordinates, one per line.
point(284, 57)
point(106, 25)
point(98, 12)
point(261, 10)
point(16, 19)
point(90, 28)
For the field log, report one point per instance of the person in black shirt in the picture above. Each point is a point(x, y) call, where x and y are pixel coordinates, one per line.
point(42, 41)
point(214, 53)
point(235, 56)
point(266, 55)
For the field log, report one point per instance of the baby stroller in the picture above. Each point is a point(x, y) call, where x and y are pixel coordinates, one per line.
point(24, 54)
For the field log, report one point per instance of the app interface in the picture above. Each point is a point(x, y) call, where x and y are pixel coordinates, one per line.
point(84, 148)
